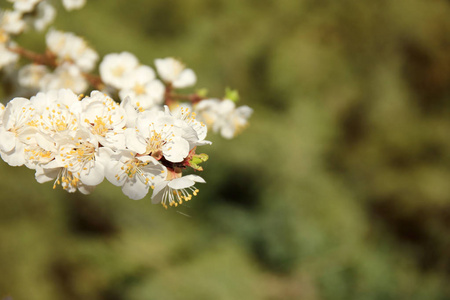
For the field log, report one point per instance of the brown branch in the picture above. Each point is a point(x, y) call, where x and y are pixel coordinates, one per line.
point(94, 80)
point(194, 98)
point(48, 59)
point(167, 95)
point(171, 97)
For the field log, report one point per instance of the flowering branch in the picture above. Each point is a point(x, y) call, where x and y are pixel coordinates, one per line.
point(193, 98)
point(144, 143)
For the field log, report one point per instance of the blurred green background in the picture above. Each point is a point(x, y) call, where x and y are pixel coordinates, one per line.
point(338, 189)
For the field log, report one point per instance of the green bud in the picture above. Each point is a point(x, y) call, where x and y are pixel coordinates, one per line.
point(202, 92)
point(196, 160)
point(233, 95)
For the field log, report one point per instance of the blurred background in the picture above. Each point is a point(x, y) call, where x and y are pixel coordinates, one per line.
point(338, 189)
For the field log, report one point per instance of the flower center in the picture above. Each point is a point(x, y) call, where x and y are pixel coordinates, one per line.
point(132, 168)
point(68, 181)
point(176, 197)
point(139, 89)
point(100, 126)
point(154, 145)
point(60, 125)
point(118, 71)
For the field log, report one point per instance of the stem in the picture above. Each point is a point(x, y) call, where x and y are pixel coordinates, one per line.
point(167, 95)
point(194, 98)
point(48, 58)
point(170, 96)
point(94, 80)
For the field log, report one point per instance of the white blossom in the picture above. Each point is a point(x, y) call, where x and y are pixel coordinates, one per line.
point(76, 140)
point(66, 99)
point(65, 76)
point(134, 173)
point(174, 192)
point(30, 75)
point(69, 47)
point(68, 180)
point(16, 130)
point(56, 116)
point(105, 119)
point(73, 4)
point(7, 57)
point(188, 119)
point(140, 85)
point(44, 16)
point(133, 108)
point(63, 151)
point(158, 135)
point(36, 155)
point(223, 116)
point(115, 68)
point(24, 5)
point(55, 122)
point(174, 72)
point(81, 155)
point(11, 21)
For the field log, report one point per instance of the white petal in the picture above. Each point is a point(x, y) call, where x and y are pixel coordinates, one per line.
point(201, 131)
point(94, 175)
point(158, 192)
point(227, 131)
point(186, 78)
point(244, 111)
point(12, 109)
point(148, 159)
point(130, 111)
point(176, 150)
point(181, 183)
point(141, 75)
point(16, 156)
point(144, 120)
point(45, 142)
point(165, 69)
point(202, 143)
point(156, 90)
point(134, 142)
point(104, 155)
point(86, 189)
point(43, 175)
point(113, 168)
point(135, 189)
point(196, 178)
point(226, 106)
point(114, 141)
point(7, 140)
point(153, 170)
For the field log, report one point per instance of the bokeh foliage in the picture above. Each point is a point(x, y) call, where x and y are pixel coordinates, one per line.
point(339, 189)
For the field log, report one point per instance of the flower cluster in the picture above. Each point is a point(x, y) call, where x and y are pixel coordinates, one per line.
point(77, 142)
point(144, 141)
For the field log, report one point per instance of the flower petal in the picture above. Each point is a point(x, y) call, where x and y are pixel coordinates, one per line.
point(94, 175)
point(7, 140)
point(135, 189)
point(186, 78)
point(176, 150)
point(158, 192)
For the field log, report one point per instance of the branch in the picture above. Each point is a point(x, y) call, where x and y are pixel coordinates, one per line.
point(48, 58)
